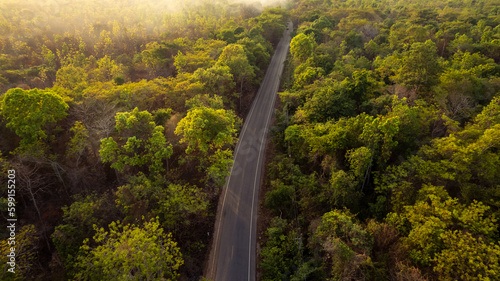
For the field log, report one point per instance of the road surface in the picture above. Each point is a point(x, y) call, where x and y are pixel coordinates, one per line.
point(233, 251)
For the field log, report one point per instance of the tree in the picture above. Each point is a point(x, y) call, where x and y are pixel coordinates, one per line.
point(353, 40)
point(141, 143)
point(322, 23)
point(235, 57)
point(420, 67)
point(281, 253)
point(155, 56)
point(217, 80)
point(78, 223)
point(427, 223)
point(128, 252)
point(345, 245)
point(305, 75)
point(26, 249)
point(173, 204)
point(190, 62)
point(302, 46)
point(210, 132)
point(206, 129)
point(107, 69)
point(28, 113)
point(271, 24)
point(467, 258)
point(258, 51)
point(328, 101)
point(227, 35)
point(79, 142)
point(73, 80)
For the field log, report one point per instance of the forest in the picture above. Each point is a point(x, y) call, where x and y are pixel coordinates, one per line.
point(386, 160)
point(118, 121)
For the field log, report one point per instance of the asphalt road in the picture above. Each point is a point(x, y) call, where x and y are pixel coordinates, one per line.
point(233, 252)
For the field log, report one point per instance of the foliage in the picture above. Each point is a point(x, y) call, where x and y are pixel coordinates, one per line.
point(216, 80)
point(389, 110)
point(345, 243)
point(466, 257)
point(420, 67)
point(302, 47)
point(25, 247)
point(427, 222)
point(281, 254)
point(386, 105)
point(79, 142)
point(117, 79)
point(78, 221)
point(205, 129)
point(28, 113)
point(171, 203)
point(235, 58)
point(144, 143)
point(130, 252)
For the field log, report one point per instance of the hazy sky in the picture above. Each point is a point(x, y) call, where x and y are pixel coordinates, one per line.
point(68, 15)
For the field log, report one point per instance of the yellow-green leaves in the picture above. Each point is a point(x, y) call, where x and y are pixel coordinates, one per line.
point(26, 241)
point(140, 143)
point(29, 112)
point(431, 219)
point(420, 66)
point(302, 46)
point(130, 252)
point(467, 258)
point(234, 56)
point(205, 129)
point(210, 133)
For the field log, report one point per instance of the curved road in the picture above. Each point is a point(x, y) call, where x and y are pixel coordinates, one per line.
point(233, 252)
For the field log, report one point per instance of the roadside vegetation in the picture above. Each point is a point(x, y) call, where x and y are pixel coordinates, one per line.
point(119, 119)
point(387, 160)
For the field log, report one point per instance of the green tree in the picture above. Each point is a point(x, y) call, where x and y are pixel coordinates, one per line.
point(107, 69)
point(305, 75)
point(302, 47)
point(141, 143)
point(435, 213)
point(173, 204)
point(420, 66)
point(210, 132)
point(155, 56)
point(216, 80)
point(271, 24)
point(79, 142)
point(78, 221)
point(73, 80)
point(328, 101)
point(235, 57)
point(26, 244)
point(128, 252)
point(206, 129)
point(353, 40)
point(258, 51)
point(29, 113)
point(190, 62)
point(281, 254)
point(345, 244)
point(467, 258)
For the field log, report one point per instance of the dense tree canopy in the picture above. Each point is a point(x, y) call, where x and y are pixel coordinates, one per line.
point(385, 146)
point(120, 120)
point(155, 256)
point(124, 111)
point(142, 143)
point(29, 112)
